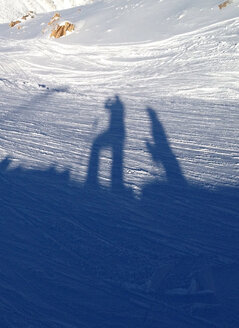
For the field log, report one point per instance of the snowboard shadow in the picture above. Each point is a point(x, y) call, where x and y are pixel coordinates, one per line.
point(83, 255)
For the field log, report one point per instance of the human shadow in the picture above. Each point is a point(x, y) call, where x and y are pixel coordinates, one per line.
point(112, 138)
point(78, 254)
point(161, 151)
point(202, 219)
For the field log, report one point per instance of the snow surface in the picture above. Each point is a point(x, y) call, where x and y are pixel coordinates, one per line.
point(11, 9)
point(119, 165)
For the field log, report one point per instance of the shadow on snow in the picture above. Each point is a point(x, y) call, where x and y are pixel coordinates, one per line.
point(82, 255)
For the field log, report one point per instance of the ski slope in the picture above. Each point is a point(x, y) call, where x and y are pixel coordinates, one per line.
point(119, 165)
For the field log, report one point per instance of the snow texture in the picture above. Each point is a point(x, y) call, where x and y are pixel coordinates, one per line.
point(11, 9)
point(119, 165)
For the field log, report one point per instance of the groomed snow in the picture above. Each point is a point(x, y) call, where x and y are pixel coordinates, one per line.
point(119, 166)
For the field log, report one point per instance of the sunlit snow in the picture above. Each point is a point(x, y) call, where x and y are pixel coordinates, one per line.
point(119, 164)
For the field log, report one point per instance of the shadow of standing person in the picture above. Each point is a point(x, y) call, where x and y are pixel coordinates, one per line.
point(112, 138)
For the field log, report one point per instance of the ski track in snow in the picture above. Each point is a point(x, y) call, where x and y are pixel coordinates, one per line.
point(98, 251)
point(155, 75)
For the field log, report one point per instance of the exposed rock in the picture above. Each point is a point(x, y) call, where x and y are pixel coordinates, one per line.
point(61, 30)
point(55, 18)
point(225, 3)
point(13, 23)
point(30, 14)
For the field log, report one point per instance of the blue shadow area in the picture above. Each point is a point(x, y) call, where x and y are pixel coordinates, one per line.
point(83, 255)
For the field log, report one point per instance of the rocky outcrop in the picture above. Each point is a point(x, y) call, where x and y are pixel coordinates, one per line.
point(13, 23)
point(56, 27)
point(61, 30)
point(55, 18)
point(30, 14)
point(225, 3)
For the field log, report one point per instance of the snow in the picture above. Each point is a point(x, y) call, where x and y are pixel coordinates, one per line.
point(119, 165)
point(113, 21)
point(11, 9)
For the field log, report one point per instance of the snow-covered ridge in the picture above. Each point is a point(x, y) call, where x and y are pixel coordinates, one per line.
point(11, 9)
point(117, 21)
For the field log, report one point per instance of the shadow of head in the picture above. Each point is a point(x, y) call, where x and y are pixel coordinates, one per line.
point(114, 103)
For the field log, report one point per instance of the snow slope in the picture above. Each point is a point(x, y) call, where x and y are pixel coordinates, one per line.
point(119, 167)
point(114, 21)
point(13, 9)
